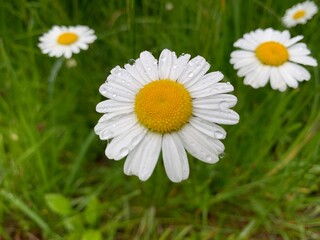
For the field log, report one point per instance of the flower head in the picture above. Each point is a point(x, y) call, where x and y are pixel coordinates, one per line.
point(270, 55)
point(167, 106)
point(64, 41)
point(299, 13)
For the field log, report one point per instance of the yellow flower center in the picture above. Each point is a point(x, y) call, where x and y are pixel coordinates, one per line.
point(272, 53)
point(67, 38)
point(299, 14)
point(163, 106)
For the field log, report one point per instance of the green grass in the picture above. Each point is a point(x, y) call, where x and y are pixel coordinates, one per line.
point(56, 183)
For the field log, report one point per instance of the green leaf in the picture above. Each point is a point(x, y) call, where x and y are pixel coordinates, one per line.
point(74, 236)
point(73, 223)
point(92, 211)
point(92, 235)
point(58, 203)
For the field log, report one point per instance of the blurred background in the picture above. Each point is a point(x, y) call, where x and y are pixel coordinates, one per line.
point(55, 181)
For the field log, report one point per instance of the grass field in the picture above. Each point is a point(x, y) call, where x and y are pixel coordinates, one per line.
point(55, 181)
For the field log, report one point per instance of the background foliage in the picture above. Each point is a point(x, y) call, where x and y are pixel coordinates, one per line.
point(56, 183)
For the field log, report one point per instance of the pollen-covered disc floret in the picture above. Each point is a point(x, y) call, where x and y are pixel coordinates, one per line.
point(65, 41)
point(271, 55)
point(163, 106)
point(299, 13)
point(170, 105)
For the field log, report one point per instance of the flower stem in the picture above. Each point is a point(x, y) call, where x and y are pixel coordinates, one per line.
point(53, 75)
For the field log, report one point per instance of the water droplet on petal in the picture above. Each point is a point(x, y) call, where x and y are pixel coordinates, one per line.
point(132, 61)
point(103, 90)
point(190, 75)
point(116, 70)
point(163, 59)
point(106, 135)
point(219, 135)
point(208, 158)
point(124, 151)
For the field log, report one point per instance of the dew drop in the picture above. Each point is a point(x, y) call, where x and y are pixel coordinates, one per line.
point(163, 59)
point(124, 151)
point(132, 61)
point(208, 158)
point(174, 66)
point(219, 135)
point(103, 90)
point(116, 70)
point(222, 155)
point(106, 135)
point(190, 75)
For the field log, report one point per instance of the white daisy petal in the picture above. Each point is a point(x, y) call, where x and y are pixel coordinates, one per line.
point(142, 161)
point(196, 68)
point(150, 65)
point(242, 54)
point(243, 71)
point(166, 60)
point(270, 58)
point(209, 128)
point(293, 40)
point(116, 93)
point(206, 81)
point(217, 88)
point(201, 146)
point(138, 64)
point(225, 116)
point(133, 71)
point(115, 126)
point(113, 106)
point(121, 76)
point(306, 60)
point(121, 145)
point(299, 49)
point(179, 66)
point(175, 158)
point(276, 80)
point(244, 44)
point(237, 63)
point(220, 101)
point(299, 72)
point(65, 41)
point(288, 77)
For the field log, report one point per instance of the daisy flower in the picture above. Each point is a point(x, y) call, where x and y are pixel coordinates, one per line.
point(270, 55)
point(167, 106)
point(65, 41)
point(299, 13)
